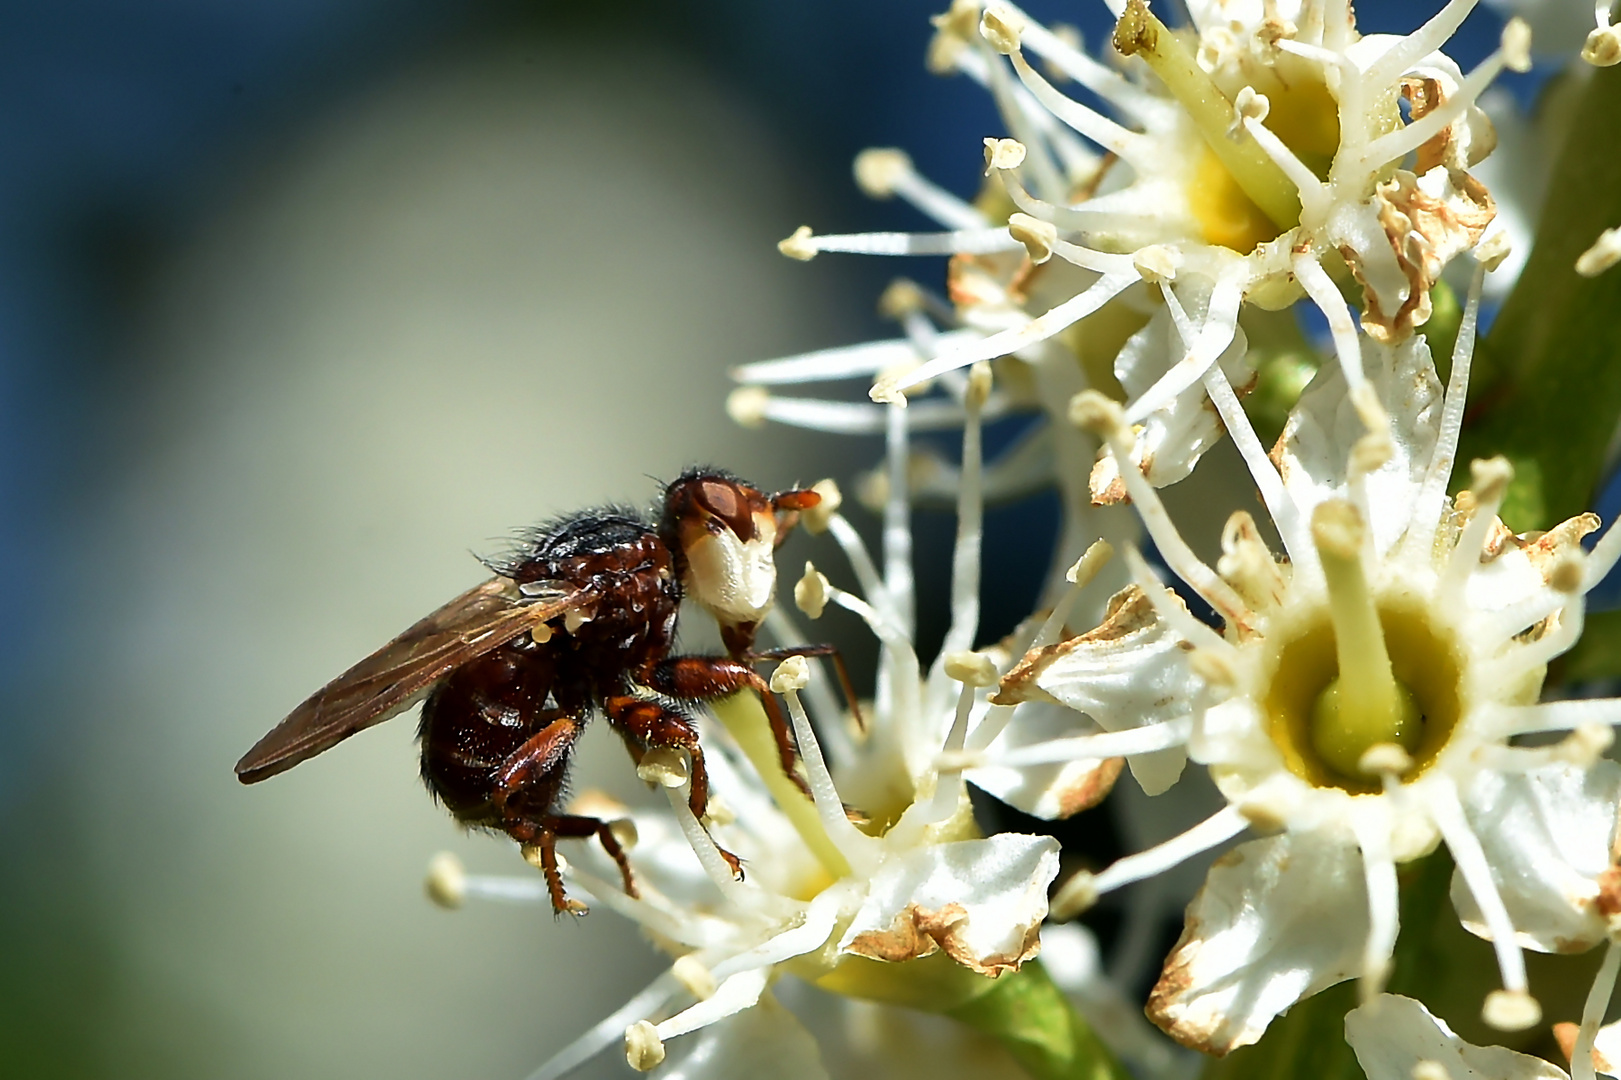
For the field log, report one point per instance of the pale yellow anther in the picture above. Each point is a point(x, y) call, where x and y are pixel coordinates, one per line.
point(885, 391)
point(1489, 478)
point(541, 634)
point(747, 406)
point(958, 20)
point(1247, 565)
point(1370, 452)
point(1003, 154)
point(1603, 47)
point(872, 490)
point(1491, 251)
point(879, 170)
point(1511, 1010)
point(1075, 897)
point(446, 882)
point(575, 618)
point(1431, 1070)
point(1586, 744)
point(624, 831)
point(801, 245)
point(792, 674)
point(901, 298)
point(810, 592)
point(663, 765)
point(818, 517)
point(1091, 411)
point(1156, 263)
point(1002, 28)
point(1605, 253)
point(1087, 566)
point(1568, 573)
point(1036, 235)
point(971, 668)
point(979, 385)
point(1385, 758)
point(643, 1047)
point(694, 977)
point(1248, 105)
point(1516, 45)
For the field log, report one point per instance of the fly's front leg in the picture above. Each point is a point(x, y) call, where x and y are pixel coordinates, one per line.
point(651, 724)
point(705, 678)
point(829, 651)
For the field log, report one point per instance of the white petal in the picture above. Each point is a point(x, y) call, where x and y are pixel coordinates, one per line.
point(1277, 921)
point(982, 901)
point(1051, 791)
point(1547, 835)
point(766, 1040)
point(1324, 426)
point(1130, 671)
point(1176, 435)
point(1392, 1034)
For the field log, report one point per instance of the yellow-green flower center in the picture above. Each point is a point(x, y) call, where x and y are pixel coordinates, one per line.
point(1363, 671)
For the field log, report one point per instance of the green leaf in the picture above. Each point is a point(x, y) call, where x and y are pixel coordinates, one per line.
point(1030, 1016)
point(1547, 388)
point(1596, 656)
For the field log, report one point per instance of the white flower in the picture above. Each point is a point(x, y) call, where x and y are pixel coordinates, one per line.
point(1359, 706)
point(1249, 165)
point(838, 905)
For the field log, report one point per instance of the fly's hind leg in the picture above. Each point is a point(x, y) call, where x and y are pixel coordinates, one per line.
point(531, 780)
point(651, 724)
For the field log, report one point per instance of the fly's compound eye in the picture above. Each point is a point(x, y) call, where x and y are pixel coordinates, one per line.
point(728, 502)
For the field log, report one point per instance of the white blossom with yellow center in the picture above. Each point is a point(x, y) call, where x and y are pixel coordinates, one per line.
point(1257, 158)
point(1357, 710)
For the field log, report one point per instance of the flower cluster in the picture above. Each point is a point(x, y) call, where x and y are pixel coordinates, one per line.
point(1360, 671)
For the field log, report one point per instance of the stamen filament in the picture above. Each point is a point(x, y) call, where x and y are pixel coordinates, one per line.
point(841, 362)
point(610, 1031)
point(1448, 815)
point(1598, 999)
point(745, 718)
point(829, 809)
point(1140, 33)
point(1220, 827)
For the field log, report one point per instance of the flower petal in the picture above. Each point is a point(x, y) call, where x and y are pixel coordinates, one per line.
point(1391, 1035)
point(1052, 791)
point(1547, 834)
point(1277, 921)
point(982, 901)
point(1131, 671)
point(1324, 426)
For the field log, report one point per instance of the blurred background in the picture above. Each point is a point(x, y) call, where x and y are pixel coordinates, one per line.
point(299, 304)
